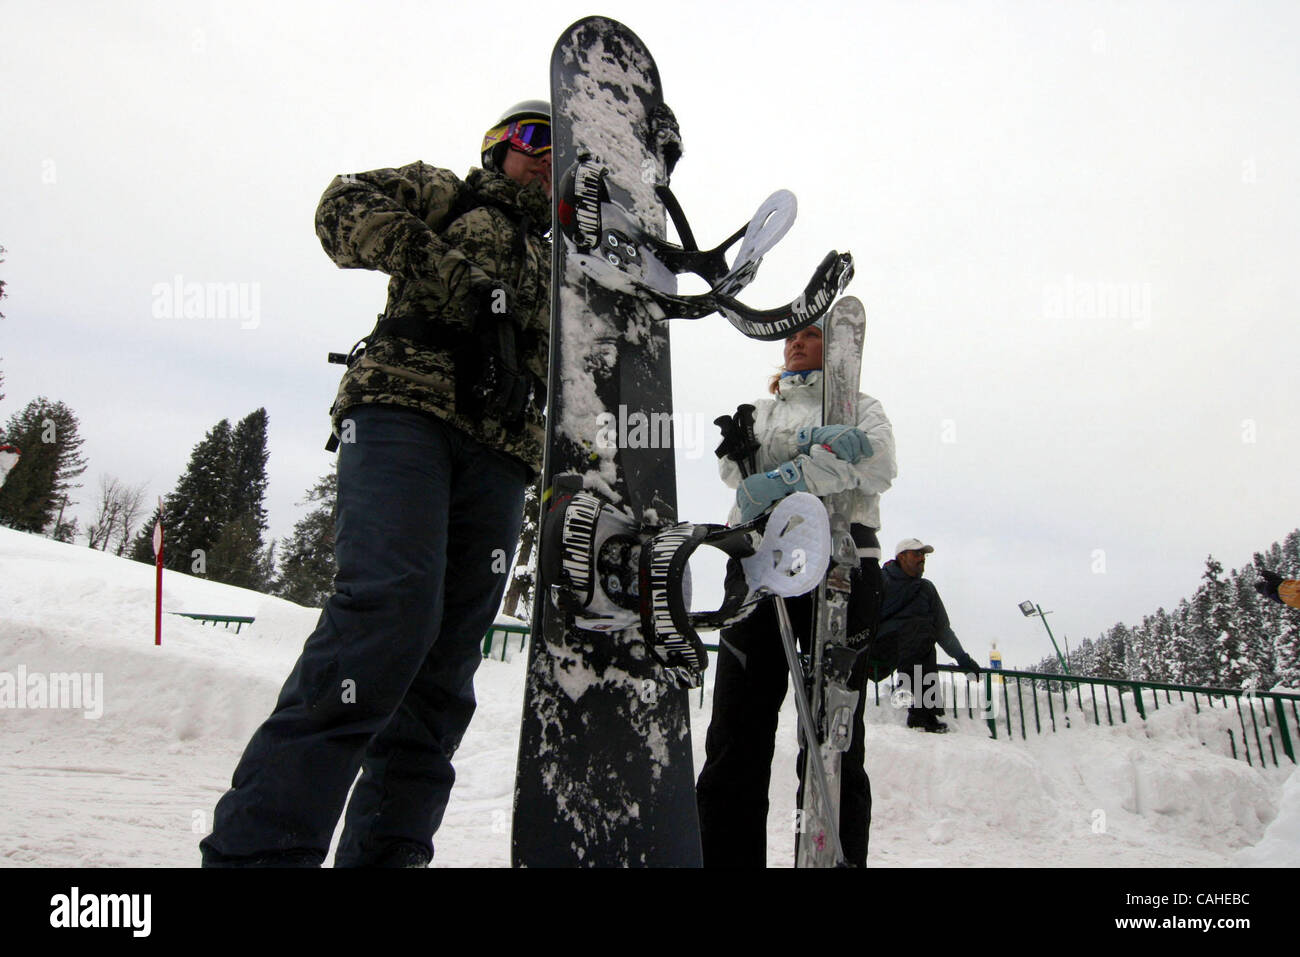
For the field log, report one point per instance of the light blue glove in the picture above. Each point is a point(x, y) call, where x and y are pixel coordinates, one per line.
point(759, 491)
point(845, 441)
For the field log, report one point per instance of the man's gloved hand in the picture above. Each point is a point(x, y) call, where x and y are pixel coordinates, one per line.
point(489, 298)
point(1268, 584)
point(845, 441)
point(967, 664)
point(490, 379)
point(760, 490)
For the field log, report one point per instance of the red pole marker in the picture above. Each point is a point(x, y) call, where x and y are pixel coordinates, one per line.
point(158, 551)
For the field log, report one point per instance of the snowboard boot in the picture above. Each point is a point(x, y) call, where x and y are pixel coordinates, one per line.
point(404, 854)
point(294, 858)
point(925, 720)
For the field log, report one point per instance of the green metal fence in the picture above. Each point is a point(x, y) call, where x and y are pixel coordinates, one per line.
point(1016, 702)
point(225, 621)
point(499, 635)
point(1046, 703)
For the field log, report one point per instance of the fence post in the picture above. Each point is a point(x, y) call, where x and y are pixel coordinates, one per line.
point(1250, 706)
point(1137, 700)
point(1245, 742)
point(1282, 729)
point(988, 701)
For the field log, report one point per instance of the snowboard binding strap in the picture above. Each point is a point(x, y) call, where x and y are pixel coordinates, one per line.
point(610, 574)
point(616, 253)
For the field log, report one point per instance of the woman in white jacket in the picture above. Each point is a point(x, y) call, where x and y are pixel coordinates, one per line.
point(795, 454)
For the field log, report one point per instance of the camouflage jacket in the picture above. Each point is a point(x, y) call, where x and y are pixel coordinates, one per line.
point(437, 237)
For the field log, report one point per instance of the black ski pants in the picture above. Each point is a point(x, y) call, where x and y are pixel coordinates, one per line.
point(917, 669)
point(427, 521)
point(749, 688)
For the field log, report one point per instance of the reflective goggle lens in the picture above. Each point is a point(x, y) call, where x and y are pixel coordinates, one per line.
point(527, 136)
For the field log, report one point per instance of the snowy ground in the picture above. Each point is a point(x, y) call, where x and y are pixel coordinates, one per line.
point(136, 785)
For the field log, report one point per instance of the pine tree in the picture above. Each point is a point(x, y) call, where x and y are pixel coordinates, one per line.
point(1187, 658)
point(65, 530)
point(307, 568)
point(248, 479)
point(1111, 652)
point(197, 510)
point(1250, 625)
point(1283, 623)
point(1160, 636)
point(39, 485)
point(1226, 635)
point(1287, 646)
point(1137, 651)
point(1083, 659)
point(1229, 664)
point(141, 549)
point(239, 557)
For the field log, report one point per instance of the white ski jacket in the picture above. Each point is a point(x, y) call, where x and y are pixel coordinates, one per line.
point(798, 404)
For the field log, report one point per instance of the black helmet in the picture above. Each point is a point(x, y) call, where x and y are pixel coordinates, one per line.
point(515, 129)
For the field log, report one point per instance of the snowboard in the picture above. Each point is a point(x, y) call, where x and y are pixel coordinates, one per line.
point(605, 775)
point(832, 701)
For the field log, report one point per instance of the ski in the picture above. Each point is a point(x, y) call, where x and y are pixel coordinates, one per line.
point(832, 701)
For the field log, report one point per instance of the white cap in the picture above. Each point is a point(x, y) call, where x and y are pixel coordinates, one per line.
point(912, 545)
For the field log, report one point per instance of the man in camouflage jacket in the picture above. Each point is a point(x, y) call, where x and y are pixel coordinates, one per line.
point(445, 268)
point(439, 428)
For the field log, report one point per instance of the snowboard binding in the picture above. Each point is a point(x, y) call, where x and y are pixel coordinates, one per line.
point(609, 246)
point(610, 575)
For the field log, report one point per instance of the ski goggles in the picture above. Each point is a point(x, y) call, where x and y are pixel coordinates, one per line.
point(532, 137)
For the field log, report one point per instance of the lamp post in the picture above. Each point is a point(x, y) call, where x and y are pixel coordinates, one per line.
point(1029, 609)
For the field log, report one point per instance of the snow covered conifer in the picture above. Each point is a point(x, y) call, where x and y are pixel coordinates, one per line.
point(197, 510)
point(238, 556)
point(248, 481)
point(36, 491)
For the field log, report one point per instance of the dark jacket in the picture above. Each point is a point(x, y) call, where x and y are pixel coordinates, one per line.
point(441, 239)
point(910, 602)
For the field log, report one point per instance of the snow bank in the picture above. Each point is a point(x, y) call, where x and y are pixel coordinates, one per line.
point(136, 786)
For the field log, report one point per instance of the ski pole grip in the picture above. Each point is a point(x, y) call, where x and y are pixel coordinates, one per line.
point(728, 427)
point(748, 441)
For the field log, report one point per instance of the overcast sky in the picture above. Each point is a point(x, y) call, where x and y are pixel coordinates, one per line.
point(1075, 230)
